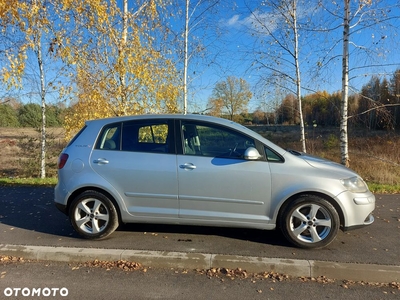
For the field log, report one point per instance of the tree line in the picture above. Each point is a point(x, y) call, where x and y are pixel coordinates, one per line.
point(376, 107)
point(107, 58)
point(15, 114)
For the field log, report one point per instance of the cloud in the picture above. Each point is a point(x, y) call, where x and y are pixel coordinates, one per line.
point(234, 21)
point(252, 21)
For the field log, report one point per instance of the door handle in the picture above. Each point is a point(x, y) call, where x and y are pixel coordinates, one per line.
point(187, 166)
point(101, 161)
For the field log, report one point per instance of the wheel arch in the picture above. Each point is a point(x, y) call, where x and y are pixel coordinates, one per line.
point(96, 189)
point(287, 202)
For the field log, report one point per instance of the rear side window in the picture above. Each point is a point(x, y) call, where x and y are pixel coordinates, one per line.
point(156, 134)
point(146, 136)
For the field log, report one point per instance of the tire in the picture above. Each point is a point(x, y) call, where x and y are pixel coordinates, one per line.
point(310, 222)
point(93, 215)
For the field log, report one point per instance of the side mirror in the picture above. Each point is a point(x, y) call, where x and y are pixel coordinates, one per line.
point(252, 153)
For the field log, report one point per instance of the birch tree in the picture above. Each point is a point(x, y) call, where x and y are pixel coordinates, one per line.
point(275, 25)
point(118, 59)
point(366, 31)
point(30, 21)
point(362, 17)
point(344, 145)
point(195, 38)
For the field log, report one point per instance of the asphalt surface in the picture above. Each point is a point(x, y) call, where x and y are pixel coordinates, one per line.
point(78, 281)
point(31, 226)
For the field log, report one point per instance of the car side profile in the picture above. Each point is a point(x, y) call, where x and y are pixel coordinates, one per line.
point(204, 171)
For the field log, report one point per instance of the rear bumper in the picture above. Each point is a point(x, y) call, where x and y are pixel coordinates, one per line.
point(60, 194)
point(62, 208)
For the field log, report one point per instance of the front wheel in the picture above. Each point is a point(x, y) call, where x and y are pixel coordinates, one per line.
point(93, 215)
point(310, 222)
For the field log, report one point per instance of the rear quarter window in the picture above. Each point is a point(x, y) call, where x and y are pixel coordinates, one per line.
point(109, 138)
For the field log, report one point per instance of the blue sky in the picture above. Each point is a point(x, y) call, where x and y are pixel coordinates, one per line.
point(374, 49)
point(230, 43)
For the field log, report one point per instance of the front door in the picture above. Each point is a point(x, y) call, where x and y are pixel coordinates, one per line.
point(216, 184)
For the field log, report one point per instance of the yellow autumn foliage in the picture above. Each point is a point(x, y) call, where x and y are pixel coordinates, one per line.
point(31, 19)
point(114, 59)
point(119, 72)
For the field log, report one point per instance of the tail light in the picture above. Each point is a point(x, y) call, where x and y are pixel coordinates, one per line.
point(62, 160)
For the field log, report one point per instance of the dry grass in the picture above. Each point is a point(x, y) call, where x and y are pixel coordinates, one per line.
point(20, 151)
point(374, 155)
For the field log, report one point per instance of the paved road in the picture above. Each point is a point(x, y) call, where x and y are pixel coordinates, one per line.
point(54, 280)
point(28, 217)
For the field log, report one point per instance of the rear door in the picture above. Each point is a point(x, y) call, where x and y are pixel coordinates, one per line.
point(138, 159)
point(216, 184)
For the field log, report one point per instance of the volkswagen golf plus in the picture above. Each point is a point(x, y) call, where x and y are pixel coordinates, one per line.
point(204, 171)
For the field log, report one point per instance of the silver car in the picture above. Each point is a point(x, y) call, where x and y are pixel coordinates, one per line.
point(201, 170)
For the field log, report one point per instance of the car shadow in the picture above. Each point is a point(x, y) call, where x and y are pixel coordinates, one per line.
point(32, 208)
point(187, 233)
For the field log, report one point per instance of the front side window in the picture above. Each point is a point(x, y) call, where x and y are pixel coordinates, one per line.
point(273, 156)
point(215, 141)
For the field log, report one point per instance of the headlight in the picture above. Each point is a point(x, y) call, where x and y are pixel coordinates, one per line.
point(355, 184)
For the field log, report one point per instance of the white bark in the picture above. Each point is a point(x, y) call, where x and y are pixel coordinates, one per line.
point(298, 76)
point(43, 101)
point(344, 151)
point(121, 49)
point(186, 57)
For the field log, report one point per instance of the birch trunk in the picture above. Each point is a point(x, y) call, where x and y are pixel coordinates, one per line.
point(186, 57)
point(121, 50)
point(344, 151)
point(298, 76)
point(43, 101)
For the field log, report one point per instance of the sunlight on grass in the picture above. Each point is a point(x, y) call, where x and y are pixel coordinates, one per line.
point(29, 181)
point(378, 188)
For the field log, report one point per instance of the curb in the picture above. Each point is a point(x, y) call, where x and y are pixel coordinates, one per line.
point(165, 259)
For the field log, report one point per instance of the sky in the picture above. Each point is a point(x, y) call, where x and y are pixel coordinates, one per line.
point(233, 45)
point(374, 47)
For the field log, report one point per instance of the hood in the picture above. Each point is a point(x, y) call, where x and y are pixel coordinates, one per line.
point(322, 163)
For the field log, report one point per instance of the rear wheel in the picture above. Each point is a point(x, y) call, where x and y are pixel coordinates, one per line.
point(93, 215)
point(310, 222)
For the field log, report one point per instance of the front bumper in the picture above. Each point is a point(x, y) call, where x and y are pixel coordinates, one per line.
point(357, 209)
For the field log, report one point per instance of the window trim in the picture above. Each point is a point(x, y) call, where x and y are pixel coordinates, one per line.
point(179, 124)
point(151, 122)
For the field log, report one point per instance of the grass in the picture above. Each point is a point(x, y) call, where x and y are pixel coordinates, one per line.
point(375, 155)
point(29, 181)
point(378, 188)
